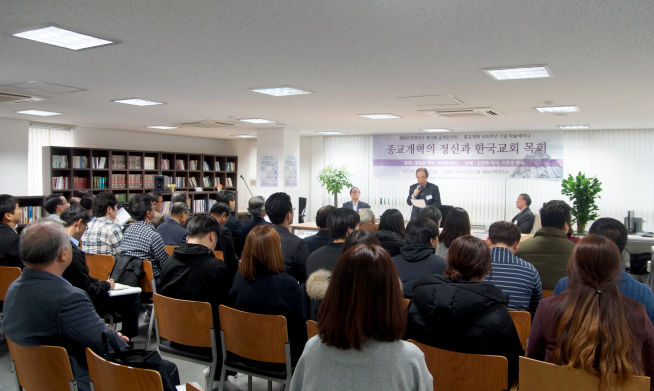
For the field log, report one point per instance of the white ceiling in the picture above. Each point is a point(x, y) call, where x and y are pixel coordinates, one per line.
point(358, 56)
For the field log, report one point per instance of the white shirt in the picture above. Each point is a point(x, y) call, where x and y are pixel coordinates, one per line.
point(355, 205)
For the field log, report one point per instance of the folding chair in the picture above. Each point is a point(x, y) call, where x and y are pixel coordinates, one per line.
point(170, 249)
point(41, 367)
point(100, 266)
point(522, 322)
point(109, 376)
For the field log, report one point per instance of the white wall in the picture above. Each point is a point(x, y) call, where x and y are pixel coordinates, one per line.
point(14, 137)
point(305, 175)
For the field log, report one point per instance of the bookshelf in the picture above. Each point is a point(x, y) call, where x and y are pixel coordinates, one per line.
point(33, 203)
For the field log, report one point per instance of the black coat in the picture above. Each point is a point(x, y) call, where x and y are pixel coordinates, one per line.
point(249, 226)
point(172, 233)
point(314, 242)
point(236, 226)
point(9, 255)
point(465, 317)
point(295, 253)
point(415, 261)
point(226, 245)
point(430, 194)
point(524, 220)
point(77, 273)
point(390, 241)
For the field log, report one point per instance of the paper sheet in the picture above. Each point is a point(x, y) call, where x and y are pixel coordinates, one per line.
point(129, 291)
point(122, 216)
point(418, 203)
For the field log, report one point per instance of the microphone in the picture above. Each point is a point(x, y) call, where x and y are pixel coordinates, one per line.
point(246, 185)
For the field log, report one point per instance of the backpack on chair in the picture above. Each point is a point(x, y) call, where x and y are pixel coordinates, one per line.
point(127, 270)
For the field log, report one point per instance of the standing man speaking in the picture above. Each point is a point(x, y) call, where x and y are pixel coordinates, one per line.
point(423, 190)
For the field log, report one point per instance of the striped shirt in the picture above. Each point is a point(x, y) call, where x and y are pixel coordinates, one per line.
point(143, 242)
point(103, 237)
point(518, 279)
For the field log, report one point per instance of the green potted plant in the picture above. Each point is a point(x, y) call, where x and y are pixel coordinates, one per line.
point(582, 192)
point(334, 179)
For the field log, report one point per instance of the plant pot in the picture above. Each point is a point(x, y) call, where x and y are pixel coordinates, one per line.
point(581, 228)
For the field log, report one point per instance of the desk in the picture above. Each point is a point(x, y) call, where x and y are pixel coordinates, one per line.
point(637, 244)
point(310, 226)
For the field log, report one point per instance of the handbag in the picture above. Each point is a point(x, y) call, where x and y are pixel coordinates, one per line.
point(140, 358)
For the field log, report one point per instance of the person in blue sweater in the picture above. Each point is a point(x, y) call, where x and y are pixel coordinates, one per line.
point(628, 287)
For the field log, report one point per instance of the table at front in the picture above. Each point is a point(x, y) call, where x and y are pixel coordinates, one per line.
point(310, 226)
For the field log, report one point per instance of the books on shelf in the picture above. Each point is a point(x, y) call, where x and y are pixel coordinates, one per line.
point(229, 182)
point(166, 207)
point(98, 162)
point(165, 164)
point(135, 163)
point(99, 182)
point(231, 166)
point(206, 181)
point(80, 183)
point(148, 181)
point(179, 164)
point(205, 166)
point(193, 182)
point(150, 163)
point(217, 166)
point(118, 161)
point(59, 183)
point(180, 182)
point(80, 162)
point(193, 165)
point(121, 197)
point(199, 206)
point(31, 214)
point(59, 161)
point(211, 202)
point(118, 181)
point(134, 181)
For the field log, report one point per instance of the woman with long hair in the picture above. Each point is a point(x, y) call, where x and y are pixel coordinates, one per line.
point(361, 321)
point(391, 231)
point(457, 223)
point(591, 326)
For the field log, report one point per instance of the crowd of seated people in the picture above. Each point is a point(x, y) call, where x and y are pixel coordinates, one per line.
point(352, 278)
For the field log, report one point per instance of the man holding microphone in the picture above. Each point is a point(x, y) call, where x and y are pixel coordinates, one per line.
point(423, 190)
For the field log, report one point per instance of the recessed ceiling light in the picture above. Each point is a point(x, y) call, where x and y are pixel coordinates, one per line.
point(244, 135)
point(137, 102)
point(331, 132)
point(257, 121)
point(62, 37)
point(525, 72)
point(162, 127)
point(280, 91)
point(574, 126)
point(557, 109)
point(38, 112)
point(379, 116)
point(437, 130)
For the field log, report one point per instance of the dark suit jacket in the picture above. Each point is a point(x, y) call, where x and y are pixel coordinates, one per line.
point(524, 220)
point(77, 273)
point(236, 226)
point(44, 309)
point(360, 205)
point(9, 255)
point(295, 253)
point(430, 194)
point(226, 245)
point(314, 242)
point(172, 232)
point(255, 222)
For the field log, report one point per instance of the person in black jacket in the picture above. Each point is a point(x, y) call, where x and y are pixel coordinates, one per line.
point(340, 223)
point(221, 213)
point(460, 312)
point(423, 190)
point(417, 258)
point(10, 216)
point(256, 208)
point(75, 220)
point(391, 231)
point(322, 237)
point(233, 224)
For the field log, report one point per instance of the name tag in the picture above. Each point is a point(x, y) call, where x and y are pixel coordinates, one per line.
point(429, 197)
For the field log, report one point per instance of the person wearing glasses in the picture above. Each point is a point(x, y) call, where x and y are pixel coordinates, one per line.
point(54, 204)
point(355, 204)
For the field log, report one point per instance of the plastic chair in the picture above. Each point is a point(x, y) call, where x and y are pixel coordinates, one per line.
point(312, 328)
point(522, 322)
point(108, 376)
point(41, 367)
point(100, 266)
point(8, 275)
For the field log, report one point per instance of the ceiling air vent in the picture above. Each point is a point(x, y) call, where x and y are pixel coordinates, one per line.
point(475, 112)
point(9, 97)
point(207, 124)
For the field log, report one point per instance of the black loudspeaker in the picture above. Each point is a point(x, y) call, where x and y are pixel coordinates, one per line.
point(159, 182)
point(303, 209)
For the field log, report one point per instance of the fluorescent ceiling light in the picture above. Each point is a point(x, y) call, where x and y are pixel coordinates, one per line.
point(437, 130)
point(331, 132)
point(379, 116)
point(162, 127)
point(62, 37)
point(280, 91)
point(557, 109)
point(244, 135)
point(574, 126)
point(257, 121)
point(513, 73)
point(38, 112)
point(137, 102)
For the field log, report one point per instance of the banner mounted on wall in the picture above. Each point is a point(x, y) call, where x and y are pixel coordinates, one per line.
point(536, 155)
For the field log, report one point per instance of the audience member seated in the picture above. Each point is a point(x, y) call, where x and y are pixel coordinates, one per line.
point(418, 257)
point(322, 236)
point(591, 326)
point(178, 196)
point(355, 204)
point(75, 221)
point(221, 213)
point(294, 249)
point(172, 231)
point(360, 236)
point(432, 213)
point(515, 277)
point(140, 239)
point(54, 204)
point(460, 312)
point(525, 219)
point(158, 207)
point(41, 308)
point(233, 224)
point(74, 201)
point(361, 321)
point(457, 224)
point(391, 231)
point(11, 214)
point(87, 203)
point(261, 286)
point(102, 236)
point(340, 223)
point(549, 250)
point(628, 287)
point(257, 209)
point(367, 217)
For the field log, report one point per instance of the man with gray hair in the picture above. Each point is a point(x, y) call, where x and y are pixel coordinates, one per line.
point(172, 231)
point(367, 217)
point(42, 308)
point(257, 208)
point(423, 190)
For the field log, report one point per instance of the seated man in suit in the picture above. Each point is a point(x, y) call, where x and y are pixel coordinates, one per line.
point(256, 208)
point(54, 204)
point(42, 308)
point(322, 237)
point(340, 223)
point(233, 224)
point(221, 213)
point(355, 204)
point(75, 221)
point(294, 249)
point(172, 231)
point(367, 217)
point(178, 196)
point(525, 219)
point(10, 216)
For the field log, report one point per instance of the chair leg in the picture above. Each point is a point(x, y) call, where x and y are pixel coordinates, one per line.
point(223, 377)
point(269, 385)
point(13, 369)
point(249, 383)
point(147, 341)
point(212, 375)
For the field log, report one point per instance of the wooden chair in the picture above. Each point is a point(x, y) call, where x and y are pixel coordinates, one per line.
point(148, 285)
point(109, 376)
point(312, 328)
point(548, 293)
point(219, 255)
point(522, 322)
point(542, 376)
point(407, 302)
point(187, 323)
point(192, 387)
point(7, 276)
point(254, 337)
point(465, 372)
point(100, 266)
point(41, 367)
point(170, 248)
